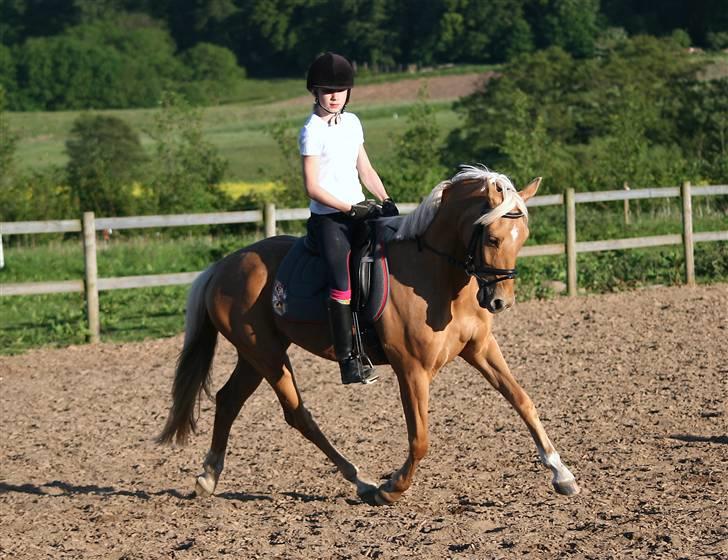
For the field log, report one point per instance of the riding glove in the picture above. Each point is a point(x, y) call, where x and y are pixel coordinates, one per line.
point(389, 208)
point(364, 210)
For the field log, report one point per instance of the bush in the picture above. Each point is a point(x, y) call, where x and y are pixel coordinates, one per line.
point(39, 195)
point(66, 73)
point(211, 74)
point(597, 122)
point(415, 169)
point(105, 158)
point(8, 141)
point(7, 71)
point(186, 170)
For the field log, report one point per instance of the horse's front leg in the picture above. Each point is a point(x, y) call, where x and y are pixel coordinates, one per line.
point(485, 355)
point(414, 389)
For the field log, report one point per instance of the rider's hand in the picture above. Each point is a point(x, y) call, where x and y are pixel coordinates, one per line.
point(364, 210)
point(389, 208)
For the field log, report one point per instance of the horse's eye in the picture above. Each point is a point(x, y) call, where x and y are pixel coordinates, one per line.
point(493, 241)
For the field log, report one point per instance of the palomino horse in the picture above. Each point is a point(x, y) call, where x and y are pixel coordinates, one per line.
point(451, 266)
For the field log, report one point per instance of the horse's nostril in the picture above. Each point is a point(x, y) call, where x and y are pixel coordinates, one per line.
point(498, 304)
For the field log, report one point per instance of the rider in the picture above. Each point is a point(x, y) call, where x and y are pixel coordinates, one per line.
point(331, 143)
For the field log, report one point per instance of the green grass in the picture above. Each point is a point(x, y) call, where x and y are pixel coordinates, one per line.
point(237, 129)
point(59, 320)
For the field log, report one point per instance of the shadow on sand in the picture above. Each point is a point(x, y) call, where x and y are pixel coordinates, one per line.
point(702, 439)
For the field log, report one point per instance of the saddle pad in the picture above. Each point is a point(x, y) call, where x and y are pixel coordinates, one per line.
point(300, 289)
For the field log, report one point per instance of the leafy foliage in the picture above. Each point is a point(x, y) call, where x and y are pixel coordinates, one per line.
point(288, 176)
point(37, 195)
point(186, 169)
point(414, 169)
point(105, 159)
point(140, 40)
point(8, 140)
point(598, 122)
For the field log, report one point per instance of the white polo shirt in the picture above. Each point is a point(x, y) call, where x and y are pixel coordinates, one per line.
point(338, 149)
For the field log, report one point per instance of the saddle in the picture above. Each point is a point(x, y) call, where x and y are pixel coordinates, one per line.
point(300, 289)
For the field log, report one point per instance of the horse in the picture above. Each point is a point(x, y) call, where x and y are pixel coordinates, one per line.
point(452, 268)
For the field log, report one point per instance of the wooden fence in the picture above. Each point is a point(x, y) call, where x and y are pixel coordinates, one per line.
point(91, 284)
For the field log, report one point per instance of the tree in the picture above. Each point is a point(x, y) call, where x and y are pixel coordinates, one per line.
point(291, 192)
point(416, 168)
point(186, 169)
point(587, 122)
point(8, 142)
point(65, 73)
point(569, 24)
point(212, 73)
point(105, 158)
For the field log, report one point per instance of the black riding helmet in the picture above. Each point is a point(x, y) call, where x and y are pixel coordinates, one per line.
point(331, 71)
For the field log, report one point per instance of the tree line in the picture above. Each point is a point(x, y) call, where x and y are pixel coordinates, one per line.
point(70, 54)
point(642, 110)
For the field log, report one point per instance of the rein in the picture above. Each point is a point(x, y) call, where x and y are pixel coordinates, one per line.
point(469, 265)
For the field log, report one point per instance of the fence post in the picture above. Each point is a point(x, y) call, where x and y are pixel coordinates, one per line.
point(91, 276)
point(687, 233)
point(269, 217)
point(627, 217)
point(570, 203)
point(2, 254)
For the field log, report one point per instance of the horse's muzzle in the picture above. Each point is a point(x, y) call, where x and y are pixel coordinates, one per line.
point(488, 299)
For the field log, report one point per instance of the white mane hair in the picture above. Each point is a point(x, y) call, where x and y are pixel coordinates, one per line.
point(418, 221)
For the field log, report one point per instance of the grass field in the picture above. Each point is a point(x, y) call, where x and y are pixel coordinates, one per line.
point(238, 129)
point(59, 320)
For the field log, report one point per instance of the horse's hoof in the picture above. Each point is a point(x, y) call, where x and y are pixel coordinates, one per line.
point(366, 491)
point(204, 486)
point(567, 487)
point(373, 495)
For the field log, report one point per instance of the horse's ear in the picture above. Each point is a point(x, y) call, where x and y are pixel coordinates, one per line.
point(530, 189)
point(495, 193)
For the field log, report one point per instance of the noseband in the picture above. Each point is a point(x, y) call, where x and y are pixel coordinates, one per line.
point(473, 265)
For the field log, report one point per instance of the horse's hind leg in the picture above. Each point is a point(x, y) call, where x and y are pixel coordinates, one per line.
point(280, 376)
point(229, 400)
point(488, 359)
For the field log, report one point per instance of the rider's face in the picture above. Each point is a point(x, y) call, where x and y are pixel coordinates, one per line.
point(332, 100)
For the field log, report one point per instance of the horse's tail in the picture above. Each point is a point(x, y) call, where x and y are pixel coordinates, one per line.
point(192, 374)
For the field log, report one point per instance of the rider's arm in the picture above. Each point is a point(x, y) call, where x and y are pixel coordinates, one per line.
point(368, 175)
point(314, 190)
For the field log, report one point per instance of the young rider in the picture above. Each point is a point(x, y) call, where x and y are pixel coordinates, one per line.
point(331, 143)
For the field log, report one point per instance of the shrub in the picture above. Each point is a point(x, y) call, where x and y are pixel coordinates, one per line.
point(211, 73)
point(415, 168)
point(105, 158)
point(186, 169)
point(66, 73)
point(38, 195)
point(8, 140)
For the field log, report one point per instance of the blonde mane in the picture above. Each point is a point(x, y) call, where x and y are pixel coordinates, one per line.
point(418, 221)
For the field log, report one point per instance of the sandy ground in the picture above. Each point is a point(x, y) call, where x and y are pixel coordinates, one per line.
point(632, 388)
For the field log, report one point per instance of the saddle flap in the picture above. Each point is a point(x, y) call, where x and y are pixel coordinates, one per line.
point(300, 288)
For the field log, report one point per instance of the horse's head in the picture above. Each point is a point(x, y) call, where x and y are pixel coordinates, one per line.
point(493, 226)
point(479, 222)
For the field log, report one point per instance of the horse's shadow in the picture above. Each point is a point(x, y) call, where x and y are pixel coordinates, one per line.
point(59, 488)
point(690, 438)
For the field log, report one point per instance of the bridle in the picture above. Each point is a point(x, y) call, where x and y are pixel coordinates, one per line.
point(473, 265)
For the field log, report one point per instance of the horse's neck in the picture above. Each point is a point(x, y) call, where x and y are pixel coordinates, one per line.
point(442, 236)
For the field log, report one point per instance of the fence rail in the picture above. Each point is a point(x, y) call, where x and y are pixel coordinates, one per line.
point(91, 285)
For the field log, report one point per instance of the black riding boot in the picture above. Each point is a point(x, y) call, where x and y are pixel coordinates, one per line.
point(352, 368)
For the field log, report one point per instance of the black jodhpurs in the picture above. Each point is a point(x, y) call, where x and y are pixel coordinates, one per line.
point(331, 235)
